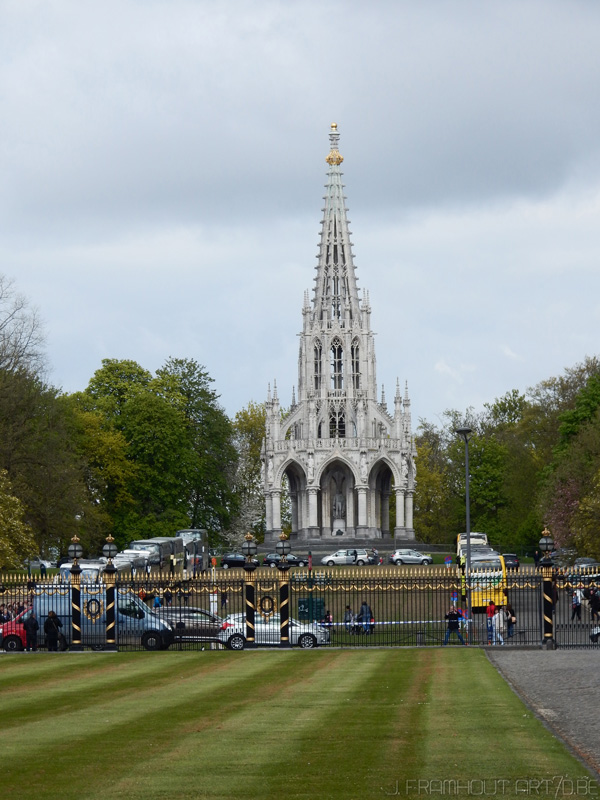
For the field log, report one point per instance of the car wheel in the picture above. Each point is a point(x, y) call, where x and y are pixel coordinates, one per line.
point(425, 562)
point(331, 563)
point(398, 562)
point(12, 644)
point(301, 564)
point(152, 640)
point(225, 566)
point(307, 641)
point(272, 564)
point(360, 563)
point(236, 642)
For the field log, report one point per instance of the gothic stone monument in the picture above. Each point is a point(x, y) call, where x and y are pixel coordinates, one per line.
point(344, 454)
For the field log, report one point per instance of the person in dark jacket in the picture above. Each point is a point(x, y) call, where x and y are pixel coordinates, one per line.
point(31, 626)
point(365, 616)
point(52, 628)
point(453, 625)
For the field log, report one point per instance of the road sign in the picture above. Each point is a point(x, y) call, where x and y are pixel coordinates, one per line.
point(448, 561)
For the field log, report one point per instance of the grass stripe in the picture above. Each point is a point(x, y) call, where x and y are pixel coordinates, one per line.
point(326, 724)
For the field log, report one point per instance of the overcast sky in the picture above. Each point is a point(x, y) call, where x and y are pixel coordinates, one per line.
point(162, 170)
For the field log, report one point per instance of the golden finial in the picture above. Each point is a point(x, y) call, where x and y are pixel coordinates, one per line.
point(334, 156)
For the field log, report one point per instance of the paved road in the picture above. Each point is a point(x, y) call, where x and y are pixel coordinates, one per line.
point(562, 688)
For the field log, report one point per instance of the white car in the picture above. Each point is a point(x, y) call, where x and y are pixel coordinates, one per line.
point(267, 632)
point(353, 555)
point(410, 557)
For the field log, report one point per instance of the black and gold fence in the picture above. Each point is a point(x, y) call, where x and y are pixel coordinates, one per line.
point(330, 607)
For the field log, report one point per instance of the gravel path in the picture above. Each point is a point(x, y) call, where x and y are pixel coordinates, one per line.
point(563, 688)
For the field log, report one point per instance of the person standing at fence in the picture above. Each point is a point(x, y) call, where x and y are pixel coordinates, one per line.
point(52, 627)
point(365, 616)
point(576, 605)
point(453, 625)
point(498, 626)
point(511, 621)
point(594, 603)
point(490, 611)
point(349, 620)
point(31, 626)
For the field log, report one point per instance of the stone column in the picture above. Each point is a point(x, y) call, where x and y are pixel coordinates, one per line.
point(313, 518)
point(276, 509)
point(399, 507)
point(362, 506)
point(409, 510)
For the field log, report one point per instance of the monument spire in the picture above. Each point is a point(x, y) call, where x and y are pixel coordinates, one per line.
point(335, 285)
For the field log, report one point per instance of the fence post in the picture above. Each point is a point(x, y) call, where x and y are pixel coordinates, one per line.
point(548, 602)
point(250, 598)
point(76, 644)
point(109, 577)
point(284, 604)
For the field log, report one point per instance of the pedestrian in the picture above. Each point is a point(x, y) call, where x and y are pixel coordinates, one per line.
point(31, 626)
point(224, 601)
point(168, 596)
point(349, 620)
point(498, 626)
point(453, 617)
point(511, 621)
point(365, 616)
point(42, 569)
point(157, 602)
point(576, 604)
point(490, 611)
point(536, 558)
point(52, 628)
point(594, 603)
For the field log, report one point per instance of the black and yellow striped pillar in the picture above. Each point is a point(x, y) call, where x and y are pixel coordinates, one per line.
point(76, 643)
point(111, 627)
point(284, 604)
point(250, 598)
point(547, 603)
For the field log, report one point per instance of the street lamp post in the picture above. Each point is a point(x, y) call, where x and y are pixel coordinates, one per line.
point(249, 550)
point(110, 551)
point(547, 546)
point(283, 547)
point(465, 435)
point(75, 552)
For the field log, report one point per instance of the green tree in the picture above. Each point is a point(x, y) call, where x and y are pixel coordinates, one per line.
point(249, 432)
point(16, 537)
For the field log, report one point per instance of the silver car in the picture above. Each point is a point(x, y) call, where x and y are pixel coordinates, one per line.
point(267, 632)
point(353, 555)
point(408, 556)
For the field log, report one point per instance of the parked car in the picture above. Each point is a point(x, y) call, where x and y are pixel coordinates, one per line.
point(267, 632)
point(192, 624)
point(408, 556)
point(236, 560)
point(273, 559)
point(511, 561)
point(354, 555)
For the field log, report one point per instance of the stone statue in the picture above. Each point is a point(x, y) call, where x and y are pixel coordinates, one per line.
point(311, 467)
point(339, 506)
point(270, 469)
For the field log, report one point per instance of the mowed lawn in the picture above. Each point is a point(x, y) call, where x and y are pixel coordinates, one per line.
point(266, 724)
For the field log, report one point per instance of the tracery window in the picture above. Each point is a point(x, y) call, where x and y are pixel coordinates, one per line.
point(355, 359)
point(318, 353)
point(337, 423)
point(337, 365)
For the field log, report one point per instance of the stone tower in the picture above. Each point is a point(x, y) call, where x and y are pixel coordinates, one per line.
point(344, 454)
